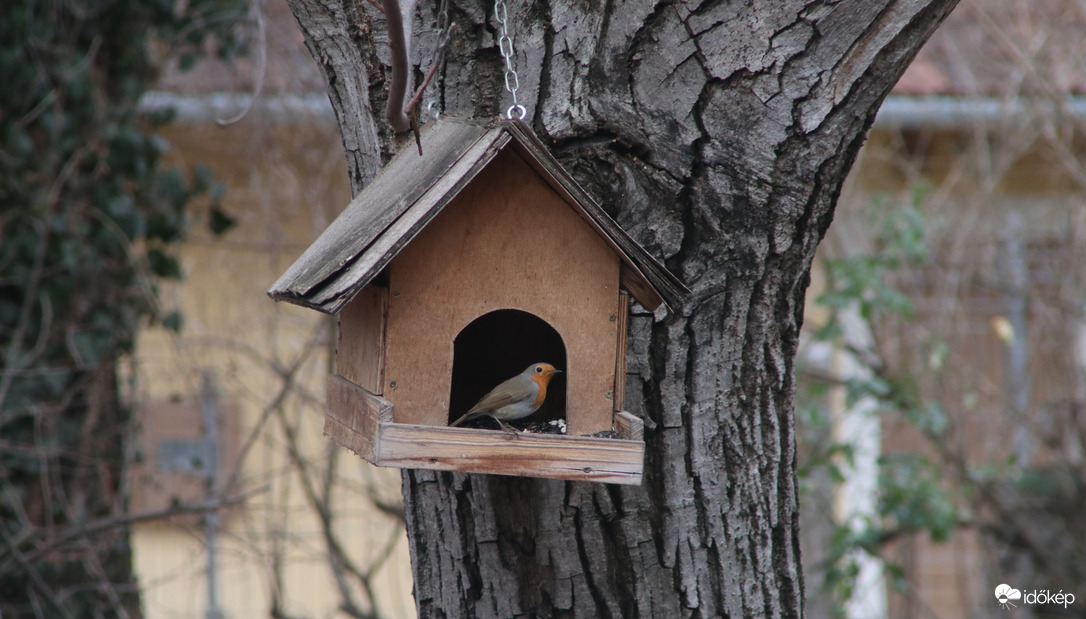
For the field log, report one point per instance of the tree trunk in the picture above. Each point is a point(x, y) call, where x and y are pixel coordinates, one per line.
point(719, 137)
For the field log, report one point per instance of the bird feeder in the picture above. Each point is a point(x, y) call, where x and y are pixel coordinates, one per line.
point(453, 271)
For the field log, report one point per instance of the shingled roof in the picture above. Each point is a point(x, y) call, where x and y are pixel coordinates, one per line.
point(413, 189)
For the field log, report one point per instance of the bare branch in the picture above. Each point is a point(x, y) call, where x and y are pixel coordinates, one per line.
point(12, 360)
point(439, 57)
point(97, 527)
point(261, 66)
point(36, 578)
point(397, 89)
point(404, 117)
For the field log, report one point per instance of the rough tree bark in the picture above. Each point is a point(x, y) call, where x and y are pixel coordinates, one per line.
point(719, 135)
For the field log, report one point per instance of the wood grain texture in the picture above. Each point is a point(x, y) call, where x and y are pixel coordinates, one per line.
point(355, 416)
point(322, 277)
point(631, 280)
point(412, 189)
point(617, 402)
point(505, 242)
point(363, 423)
point(360, 349)
point(629, 427)
point(575, 458)
point(392, 239)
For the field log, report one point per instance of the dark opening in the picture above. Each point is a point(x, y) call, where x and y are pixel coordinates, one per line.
point(497, 346)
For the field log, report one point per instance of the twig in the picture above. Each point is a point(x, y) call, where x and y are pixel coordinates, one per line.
point(401, 117)
point(35, 576)
point(104, 524)
point(261, 69)
point(397, 89)
point(439, 57)
point(337, 554)
point(289, 378)
point(12, 358)
point(92, 563)
point(388, 508)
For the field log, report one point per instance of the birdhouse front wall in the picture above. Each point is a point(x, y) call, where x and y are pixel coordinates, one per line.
point(506, 241)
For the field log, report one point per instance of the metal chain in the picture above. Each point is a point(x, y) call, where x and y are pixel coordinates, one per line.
point(505, 45)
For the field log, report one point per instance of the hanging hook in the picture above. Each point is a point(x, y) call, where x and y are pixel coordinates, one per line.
point(505, 46)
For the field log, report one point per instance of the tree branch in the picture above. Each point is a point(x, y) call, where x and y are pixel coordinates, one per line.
point(404, 117)
point(397, 90)
point(105, 524)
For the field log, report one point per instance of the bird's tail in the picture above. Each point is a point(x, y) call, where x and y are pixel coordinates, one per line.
point(463, 419)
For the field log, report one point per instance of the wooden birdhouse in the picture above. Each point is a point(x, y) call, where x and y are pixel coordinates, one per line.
point(455, 270)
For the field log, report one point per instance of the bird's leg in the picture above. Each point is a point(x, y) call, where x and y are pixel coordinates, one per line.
point(505, 427)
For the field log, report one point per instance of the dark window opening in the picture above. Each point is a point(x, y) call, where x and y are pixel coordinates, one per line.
point(497, 346)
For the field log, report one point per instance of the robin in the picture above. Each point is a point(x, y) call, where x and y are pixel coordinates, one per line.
point(515, 398)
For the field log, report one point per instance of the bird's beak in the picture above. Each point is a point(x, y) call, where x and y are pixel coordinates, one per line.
point(556, 371)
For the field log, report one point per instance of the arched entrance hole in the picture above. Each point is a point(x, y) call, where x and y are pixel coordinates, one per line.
point(499, 345)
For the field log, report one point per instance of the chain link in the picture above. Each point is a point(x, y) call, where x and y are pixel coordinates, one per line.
point(505, 46)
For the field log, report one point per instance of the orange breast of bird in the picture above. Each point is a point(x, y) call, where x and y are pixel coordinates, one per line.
point(541, 380)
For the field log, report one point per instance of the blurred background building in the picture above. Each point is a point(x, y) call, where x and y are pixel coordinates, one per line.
point(945, 408)
point(952, 383)
point(317, 532)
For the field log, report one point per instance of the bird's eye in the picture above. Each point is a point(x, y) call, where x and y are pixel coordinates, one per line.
point(538, 368)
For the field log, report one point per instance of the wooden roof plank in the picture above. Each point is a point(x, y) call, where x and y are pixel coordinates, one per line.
point(411, 191)
point(404, 180)
point(402, 231)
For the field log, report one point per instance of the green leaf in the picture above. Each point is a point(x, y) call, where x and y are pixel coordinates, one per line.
point(174, 321)
point(219, 222)
point(163, 264)
point(860, 388)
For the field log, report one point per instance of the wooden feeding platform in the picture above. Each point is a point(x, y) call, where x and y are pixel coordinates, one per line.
point(370, 431)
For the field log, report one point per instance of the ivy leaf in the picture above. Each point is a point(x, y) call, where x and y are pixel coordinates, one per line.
point(174, 321)
point(220, 222)
point(163, 264)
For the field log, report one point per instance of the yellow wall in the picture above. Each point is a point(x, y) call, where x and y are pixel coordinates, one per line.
point(974, 181)
point(285, 184)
